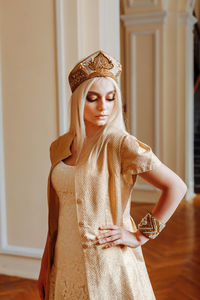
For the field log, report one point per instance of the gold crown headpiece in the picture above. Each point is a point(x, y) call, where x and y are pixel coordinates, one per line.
point(98, 64)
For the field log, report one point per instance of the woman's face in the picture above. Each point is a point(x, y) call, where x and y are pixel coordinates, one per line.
point(99, 103)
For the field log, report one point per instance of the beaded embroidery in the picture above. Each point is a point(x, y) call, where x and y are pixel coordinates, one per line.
point(97, 64)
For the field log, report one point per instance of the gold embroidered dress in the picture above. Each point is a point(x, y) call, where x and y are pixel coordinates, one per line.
point(67, 274)
point(81, 199)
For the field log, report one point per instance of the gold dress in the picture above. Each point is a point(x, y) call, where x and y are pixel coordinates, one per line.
point(117, 273)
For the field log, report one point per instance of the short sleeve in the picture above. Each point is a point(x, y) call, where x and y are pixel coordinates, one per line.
point(136, 156)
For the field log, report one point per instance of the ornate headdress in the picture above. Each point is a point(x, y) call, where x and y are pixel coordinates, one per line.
point(98, 64)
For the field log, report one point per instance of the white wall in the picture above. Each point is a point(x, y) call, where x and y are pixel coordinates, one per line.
point(40, 43)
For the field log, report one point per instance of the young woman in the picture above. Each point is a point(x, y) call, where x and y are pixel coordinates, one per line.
point(93, 248)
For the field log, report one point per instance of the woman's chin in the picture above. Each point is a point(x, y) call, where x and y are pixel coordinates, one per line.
point(97, 123)
point(101, 122)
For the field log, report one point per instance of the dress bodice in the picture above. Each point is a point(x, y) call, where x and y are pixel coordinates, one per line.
point(81, 269)
point(63, 178)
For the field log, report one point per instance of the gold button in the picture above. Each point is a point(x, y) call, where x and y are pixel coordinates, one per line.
point(79, 201)
point(84, 246)
point(81, 223)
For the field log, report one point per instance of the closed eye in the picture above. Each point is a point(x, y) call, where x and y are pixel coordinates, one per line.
point(91, 99)
point(110, 99)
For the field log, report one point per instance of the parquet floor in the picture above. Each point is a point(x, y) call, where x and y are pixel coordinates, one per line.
point(172, 259)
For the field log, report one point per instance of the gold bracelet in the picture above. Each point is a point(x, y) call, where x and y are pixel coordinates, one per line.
point(150, 226)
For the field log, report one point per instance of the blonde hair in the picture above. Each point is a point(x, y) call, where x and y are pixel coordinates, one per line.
point(77, 125)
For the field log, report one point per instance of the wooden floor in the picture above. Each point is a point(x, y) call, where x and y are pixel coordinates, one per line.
point(172, 259)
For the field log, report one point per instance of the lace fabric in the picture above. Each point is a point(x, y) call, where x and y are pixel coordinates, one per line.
point(67, 277)
point(63, 287)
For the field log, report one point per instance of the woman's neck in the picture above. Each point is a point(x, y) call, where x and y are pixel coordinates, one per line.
point(91, 130)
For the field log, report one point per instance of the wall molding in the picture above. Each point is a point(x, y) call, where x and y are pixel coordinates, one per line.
point(109, 27)
point(3, 220)
point(189, 20)
point(157, 17)
point(190, 6)
point(5, 248)
point(61, 67)
point(21, 251)
point(133, 100)
point(132, 3)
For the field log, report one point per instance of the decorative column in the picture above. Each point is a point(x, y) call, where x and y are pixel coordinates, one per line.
point(186, 22)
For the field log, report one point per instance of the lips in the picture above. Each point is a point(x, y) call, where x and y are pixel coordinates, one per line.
point(101, 116)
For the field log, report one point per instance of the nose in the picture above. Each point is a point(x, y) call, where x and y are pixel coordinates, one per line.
point(101, 104)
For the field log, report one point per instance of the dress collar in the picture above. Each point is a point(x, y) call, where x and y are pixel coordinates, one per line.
point(60, 148)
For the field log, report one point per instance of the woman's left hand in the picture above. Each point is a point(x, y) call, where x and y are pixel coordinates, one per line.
point(120, 236)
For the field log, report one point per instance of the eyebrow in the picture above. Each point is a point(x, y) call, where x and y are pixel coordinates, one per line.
point(91, 92)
